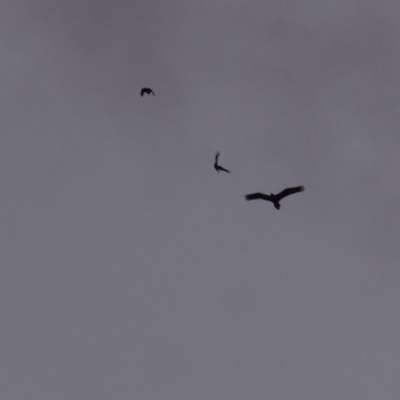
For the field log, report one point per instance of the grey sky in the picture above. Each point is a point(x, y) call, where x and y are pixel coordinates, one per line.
point(130, 269)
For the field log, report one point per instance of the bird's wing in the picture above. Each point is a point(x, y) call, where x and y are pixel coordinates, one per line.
point(216, 158)
point(256, 196)
point(151, 91)
point(224, 169)
point(142, 92)
point(289, 191)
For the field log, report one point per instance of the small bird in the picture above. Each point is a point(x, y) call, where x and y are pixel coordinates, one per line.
point(146, 90)
point(218, 167)
point(275, 198)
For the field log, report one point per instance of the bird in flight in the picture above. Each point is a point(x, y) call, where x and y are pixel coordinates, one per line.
point(146, 90)
point(218, 167)
point(275, 198)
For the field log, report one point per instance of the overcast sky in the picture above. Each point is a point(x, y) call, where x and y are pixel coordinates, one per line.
point(130, 269)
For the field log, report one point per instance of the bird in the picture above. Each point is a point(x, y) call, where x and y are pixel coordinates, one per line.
point(146, 90)
point(218, 167)
point(275, 198)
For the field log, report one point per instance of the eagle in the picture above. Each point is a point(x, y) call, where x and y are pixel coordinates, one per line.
point(275, 198)
point(146, 90)
point(218, 167)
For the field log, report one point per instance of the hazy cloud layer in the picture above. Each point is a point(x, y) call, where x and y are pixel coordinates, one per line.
point(131, 269)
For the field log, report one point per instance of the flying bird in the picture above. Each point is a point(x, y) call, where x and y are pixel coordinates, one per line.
point(275, 198)
point(218, 167)
point(146, 90)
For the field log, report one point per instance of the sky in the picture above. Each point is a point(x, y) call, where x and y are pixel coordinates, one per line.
point(131, 269)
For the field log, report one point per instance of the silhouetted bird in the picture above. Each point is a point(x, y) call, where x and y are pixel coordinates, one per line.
point(275, 198)
point(146, 90)
point(218, 167)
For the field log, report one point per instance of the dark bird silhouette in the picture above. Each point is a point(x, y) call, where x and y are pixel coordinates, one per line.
point(146, 90)
point(218, 167)
point(275, 198)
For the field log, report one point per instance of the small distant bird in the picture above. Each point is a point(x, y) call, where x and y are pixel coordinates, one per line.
point(275, 198)
point(146, 90)
point(218, 167)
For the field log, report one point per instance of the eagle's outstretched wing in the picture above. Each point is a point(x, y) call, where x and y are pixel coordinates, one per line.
point(256, 196)
point(289, 191)
point(216, 157)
